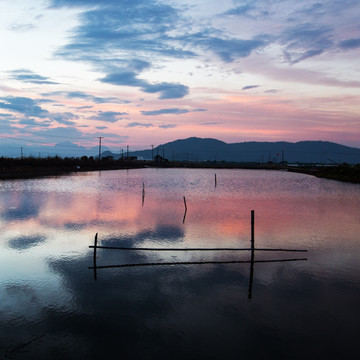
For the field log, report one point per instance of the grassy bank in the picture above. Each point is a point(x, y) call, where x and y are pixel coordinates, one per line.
point(54, 166)
point(344, 172)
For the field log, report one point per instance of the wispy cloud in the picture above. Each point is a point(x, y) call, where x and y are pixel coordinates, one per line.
point(171, 111)
point(109, 116)
point(86, 96)
point(29, 108)
point(306, 40)
point(165, 111)
point(249, 87)
point(129, 78)
point(137, 124)
point(22, 27)
point(167, 126)
point(228, 49)
point(350, 44)
point(28, 76)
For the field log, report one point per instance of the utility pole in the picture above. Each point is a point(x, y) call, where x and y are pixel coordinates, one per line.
point(152, 152)
point(100, 137)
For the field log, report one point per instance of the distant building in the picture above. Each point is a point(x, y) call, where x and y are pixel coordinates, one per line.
point(160, 160)
point(129, 158)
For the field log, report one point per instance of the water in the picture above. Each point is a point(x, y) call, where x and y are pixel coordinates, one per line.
point(53, 306)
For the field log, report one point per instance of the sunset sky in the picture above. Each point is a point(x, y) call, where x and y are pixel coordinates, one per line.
point(143, 72)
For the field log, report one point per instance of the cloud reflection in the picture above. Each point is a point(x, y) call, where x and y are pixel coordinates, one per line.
point(26, 242)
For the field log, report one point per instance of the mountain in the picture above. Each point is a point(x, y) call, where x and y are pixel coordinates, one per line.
point(198, 149)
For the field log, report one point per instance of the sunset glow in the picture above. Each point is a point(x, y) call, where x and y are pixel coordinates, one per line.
point(145, 72)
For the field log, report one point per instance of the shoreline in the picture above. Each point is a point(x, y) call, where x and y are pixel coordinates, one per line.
point(37, 168)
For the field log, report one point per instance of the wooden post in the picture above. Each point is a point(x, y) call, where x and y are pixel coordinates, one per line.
point(185, 210)
point(252, 229)
point(95, 245)
point(215, 181)
point(252, 253)
point(143, 194)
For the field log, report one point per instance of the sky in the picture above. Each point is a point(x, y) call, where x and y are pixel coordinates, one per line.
point(139, 73)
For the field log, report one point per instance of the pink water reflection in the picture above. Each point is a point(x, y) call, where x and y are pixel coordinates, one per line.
point(290, 209)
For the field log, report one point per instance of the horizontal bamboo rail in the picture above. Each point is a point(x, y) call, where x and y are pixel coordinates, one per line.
point(194, 263)
point(193, 249)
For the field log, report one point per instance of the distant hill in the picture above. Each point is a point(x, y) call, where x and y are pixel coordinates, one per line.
point(198, 149)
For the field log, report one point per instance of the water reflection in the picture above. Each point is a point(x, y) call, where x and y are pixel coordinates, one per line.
point(109, 245)
point(51, 307)
point(25, 242)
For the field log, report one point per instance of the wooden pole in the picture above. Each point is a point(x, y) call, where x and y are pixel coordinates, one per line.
point(215, 181)
point(252, 254)
point(252, 229)
point(185, 204)
point(185, 210)
point(143, 194)
point(95, 246)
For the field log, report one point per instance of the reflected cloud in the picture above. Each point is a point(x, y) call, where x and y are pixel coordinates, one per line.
point(26, 242)
point(161, 233)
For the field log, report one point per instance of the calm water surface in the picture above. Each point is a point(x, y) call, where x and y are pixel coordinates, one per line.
point(53, 306)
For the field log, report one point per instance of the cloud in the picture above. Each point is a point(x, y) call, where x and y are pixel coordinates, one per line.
point(167, 90)
point(228, 49)
point(165, 111)
point(240, 10)
point(65, 118)
point(250, 87)
point(26, 106)
point(22, 27)
point(169, 111)
point(129, 78)
point(305, 40)
point(142, 30)
point(210, 123)
point(65, 132)
point(109, 116)
point(167, 126)
point(147, 30)
point(28, 76)
point(350, 44)
point(30, 109)
point(85, 96)
point(137, 124)
point(33, 122)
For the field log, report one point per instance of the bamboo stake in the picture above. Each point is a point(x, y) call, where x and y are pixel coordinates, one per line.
point(252, 229)
point(143, 194)
point(185, 210)
point(95, 247)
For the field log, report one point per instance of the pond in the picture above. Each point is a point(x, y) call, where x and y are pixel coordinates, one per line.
point(58, 301)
